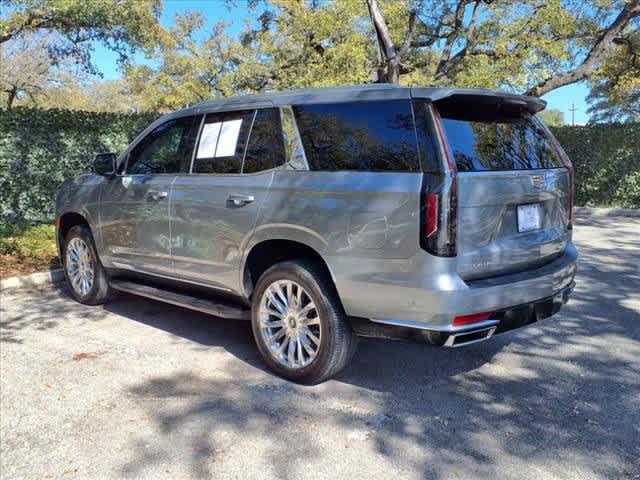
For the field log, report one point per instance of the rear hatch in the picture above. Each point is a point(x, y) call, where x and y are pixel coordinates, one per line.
point(513, 189)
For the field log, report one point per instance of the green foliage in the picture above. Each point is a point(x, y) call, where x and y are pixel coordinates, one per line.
point(41, 148)
point(552, 117)
point(190, 65)
point(120, 26)
point(606, 159)
point(615, 93)
point(28, 241)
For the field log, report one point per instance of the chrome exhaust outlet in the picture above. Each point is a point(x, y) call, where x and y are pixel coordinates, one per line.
point(468, 337)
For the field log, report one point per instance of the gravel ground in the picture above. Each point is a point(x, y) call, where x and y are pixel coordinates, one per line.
point(142, 389)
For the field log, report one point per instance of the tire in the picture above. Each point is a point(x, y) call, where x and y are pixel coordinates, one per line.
point(329, 325)
point(97, 290)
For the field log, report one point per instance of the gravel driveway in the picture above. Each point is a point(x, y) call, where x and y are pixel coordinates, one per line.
point(146, 390)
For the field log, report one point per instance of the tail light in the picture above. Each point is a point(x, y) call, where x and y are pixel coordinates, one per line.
point(438, 233)
point(564, 158)
point(431, 223)
point(469, 319)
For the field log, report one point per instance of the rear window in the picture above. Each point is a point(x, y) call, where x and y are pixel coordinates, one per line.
point(511, 143)
point(366, 136)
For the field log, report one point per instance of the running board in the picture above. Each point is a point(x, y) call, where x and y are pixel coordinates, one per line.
point(212, 307)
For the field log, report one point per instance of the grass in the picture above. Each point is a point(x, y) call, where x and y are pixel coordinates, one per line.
point(27, 248)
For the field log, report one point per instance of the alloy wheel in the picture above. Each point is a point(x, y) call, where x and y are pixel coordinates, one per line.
point(290, 324)
point(80, 266)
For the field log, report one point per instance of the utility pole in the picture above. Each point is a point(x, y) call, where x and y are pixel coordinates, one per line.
point(573, 114)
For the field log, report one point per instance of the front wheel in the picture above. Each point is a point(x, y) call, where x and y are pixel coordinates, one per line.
point(86, 278)
point(298, 323)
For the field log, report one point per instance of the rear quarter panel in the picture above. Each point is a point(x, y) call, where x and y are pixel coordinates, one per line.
point(343, 215)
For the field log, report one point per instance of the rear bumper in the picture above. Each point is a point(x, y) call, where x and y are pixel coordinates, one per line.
point(457, 336)
point(427, 293)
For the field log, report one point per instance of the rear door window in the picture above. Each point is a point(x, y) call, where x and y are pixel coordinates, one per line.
point(509, 143)
point(361, 136)
point(265, 149)
point(222, 142)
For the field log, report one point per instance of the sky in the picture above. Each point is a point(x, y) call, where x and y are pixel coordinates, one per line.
point(563, 99)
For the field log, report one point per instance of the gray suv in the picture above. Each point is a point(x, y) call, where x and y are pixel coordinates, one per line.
point(438, 215)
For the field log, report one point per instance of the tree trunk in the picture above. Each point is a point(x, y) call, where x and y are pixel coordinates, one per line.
point(387, 54)
point(12, 94)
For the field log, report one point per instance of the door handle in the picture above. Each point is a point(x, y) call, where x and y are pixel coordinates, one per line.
point(157, 195)
point(239, 200)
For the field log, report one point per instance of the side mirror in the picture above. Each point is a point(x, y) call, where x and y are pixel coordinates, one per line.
point(104, 164)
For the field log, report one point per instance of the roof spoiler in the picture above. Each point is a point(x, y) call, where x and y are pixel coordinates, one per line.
point(448, 97)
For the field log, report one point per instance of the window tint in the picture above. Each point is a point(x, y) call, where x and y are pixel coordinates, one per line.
point(164, 149)
point(292, 143)
point(265, 149)
point(515, 143)
point(374, 136)
point(222, 142)
point(426, 133)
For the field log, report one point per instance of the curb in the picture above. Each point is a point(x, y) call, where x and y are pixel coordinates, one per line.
point(601, 212)
point(32, 280)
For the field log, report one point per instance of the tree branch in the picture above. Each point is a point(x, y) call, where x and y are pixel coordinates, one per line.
point(382, 30)
point(409, 36)
point(444, 68)
point(603, 42)
point(451, 37)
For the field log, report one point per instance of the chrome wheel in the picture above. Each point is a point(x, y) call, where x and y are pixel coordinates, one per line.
point(80, 266)
point(289, 324)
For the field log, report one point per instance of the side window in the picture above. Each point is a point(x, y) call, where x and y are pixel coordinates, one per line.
point(164, 149)
point(292, 143)
point(222, 142)
point(425, 133)
point(265, 149)
point(366, 136)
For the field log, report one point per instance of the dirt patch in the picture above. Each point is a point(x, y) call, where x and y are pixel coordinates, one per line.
point(87, 356)
point(11, 266)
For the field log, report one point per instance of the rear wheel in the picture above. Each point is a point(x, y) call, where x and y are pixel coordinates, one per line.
point(86, 278)
point(298, 323)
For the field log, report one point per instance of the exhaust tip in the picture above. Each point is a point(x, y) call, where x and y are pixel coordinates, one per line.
point(469, 337)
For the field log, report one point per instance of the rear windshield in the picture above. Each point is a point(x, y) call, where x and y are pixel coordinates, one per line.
point(511, 143)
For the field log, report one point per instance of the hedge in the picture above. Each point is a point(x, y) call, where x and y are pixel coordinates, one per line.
point(40, 148)
point(606, 160)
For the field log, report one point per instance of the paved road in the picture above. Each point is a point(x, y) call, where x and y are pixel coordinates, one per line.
point(142, 389)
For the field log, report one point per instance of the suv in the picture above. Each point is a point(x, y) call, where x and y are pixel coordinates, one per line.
point(321, 215)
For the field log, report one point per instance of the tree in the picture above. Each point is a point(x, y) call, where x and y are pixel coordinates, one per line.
point(309, 44)
point(191, 66)
point(26, 71)
point(552, 117)
point(122, 25)
point(601, 40)
point(615, 95)
point(530, 45)
point(90, 95)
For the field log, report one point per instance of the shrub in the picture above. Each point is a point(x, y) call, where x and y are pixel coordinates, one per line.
point(28, 241)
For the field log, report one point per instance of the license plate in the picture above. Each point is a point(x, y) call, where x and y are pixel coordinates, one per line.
point(529, 217)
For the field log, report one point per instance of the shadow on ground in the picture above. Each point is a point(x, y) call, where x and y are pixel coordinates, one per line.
point(561, 394)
